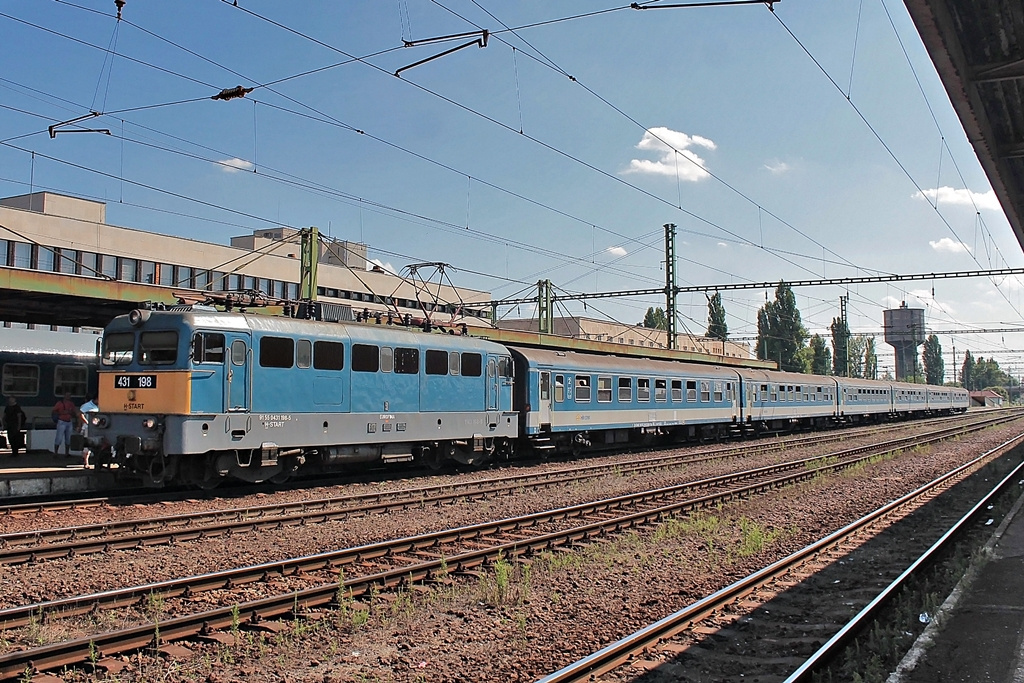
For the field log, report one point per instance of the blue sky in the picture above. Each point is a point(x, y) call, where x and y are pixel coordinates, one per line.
point(557, 151)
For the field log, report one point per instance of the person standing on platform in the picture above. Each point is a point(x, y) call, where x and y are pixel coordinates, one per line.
point(65, 416)
point(14, 423)
point(90, 406)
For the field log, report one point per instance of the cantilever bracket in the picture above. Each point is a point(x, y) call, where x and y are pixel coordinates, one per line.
point(480, 42)
point(54, 128)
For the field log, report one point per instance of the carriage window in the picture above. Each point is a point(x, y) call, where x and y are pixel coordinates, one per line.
point(158, 348)
point(625, 389)
point(277, 352)
point(453, 363)
point(387, 359)
point(677, 390)
point(583, 388)
point(21, 380)
point(365, 358)
point(407, 361)
point(208, 347)
point(304, 353)
point(559, 388)
point(118, 348)
point(604, 389)
point(70, 378)
point(728, 390)
point(660, 389)
point(643, 389)
point(775, 393)
point(472, 364)
point(437, 362)
point(328, 355)
point(718, 391)
point(705, 392)
point(545, 386)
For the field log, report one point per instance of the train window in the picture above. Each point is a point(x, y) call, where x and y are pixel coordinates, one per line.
point(604, 389)
point(407, 361)
point(158, 348)
point(691, 390)
point(545, 382)
point(437, 362)
point(20, 380)
point(454, 364)
point(728, 390)
point(705, 392)
point(625, 389)
point(328, 355)
point(559, 388)
point(660, 390)
point(775, 393)
point(387, 359)
point(677, 390)
point(491, 367)
point(472, 365)
point(277, 352)
point(208, 347)
point(238, 352)
point(643, 389)
point(73, 379)
point(583, 388)
point(304, 353)
point(118, 348)
point(505, 366)
point(365, 358)
point(718, 392)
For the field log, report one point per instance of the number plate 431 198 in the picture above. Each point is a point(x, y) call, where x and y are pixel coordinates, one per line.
point(135, 381)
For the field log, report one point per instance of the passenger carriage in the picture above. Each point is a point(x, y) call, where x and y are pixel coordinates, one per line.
point(780, 401)
point(863, 400)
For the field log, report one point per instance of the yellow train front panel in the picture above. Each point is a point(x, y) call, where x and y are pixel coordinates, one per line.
point(167, 392)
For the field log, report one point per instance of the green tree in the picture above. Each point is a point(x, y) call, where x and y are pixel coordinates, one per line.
point(967, 372)
point(858, 347)
point(934, 368)
point(840, 347)
point(717, 328)
point(870, 359)
point(780, 333)
point(655, 319)
point(821, 359)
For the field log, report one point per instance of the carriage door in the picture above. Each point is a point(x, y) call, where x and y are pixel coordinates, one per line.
point(236, 375)
point(544, 407)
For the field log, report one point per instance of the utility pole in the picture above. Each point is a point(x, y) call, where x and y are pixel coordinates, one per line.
point(310, 248)
point(547, 318)
point(843, 301)
point(670, 283)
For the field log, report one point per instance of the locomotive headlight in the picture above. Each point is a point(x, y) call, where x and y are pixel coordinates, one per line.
point(99, 421)
point(149, 423)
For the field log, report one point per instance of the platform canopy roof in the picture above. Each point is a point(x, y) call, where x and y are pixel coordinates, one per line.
point(978, 50)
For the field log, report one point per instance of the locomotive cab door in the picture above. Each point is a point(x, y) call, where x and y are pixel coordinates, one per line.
point(492, 383)
point(236, 374)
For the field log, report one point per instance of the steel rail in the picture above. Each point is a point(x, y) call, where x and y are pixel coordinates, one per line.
point(75, 651)
point(619, 652)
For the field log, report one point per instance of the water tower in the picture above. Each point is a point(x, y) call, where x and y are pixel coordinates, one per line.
point(904, 331)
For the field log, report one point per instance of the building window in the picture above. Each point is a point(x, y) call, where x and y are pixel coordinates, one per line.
point(183, 277)
point(67, 261)
point(127, 270)
point(147, 272)
point(166, 275)
point(44, 259)
point(202, 279)
point(3, 252)
point(22, 256)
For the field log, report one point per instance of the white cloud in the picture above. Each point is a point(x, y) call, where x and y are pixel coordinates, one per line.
point(777, 167)
point(952, 246)
point(723, 245)
point(675, 156)
point(377, 263)
point(235, 165)
point(964, 197)
point(616, 251)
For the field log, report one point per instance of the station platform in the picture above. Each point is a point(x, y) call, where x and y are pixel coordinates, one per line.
point(978, 635)
point(39, 473)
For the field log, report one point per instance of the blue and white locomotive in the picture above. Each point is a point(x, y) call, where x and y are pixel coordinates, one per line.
point(198, 395)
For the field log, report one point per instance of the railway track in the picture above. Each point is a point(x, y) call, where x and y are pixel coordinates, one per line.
point(45, 544)
point(349, 573)
point(48, 504)
point(765, 625)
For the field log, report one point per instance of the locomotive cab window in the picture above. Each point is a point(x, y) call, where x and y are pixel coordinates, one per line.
point(277, 352)
point(454, 363)
point(21, 379)
point(365, 358)
point(304, 353)
point(328, 355)
point(387, 359)
point(208, 347)
point(559, 388)
point(118, 348)
point(643, 389)
point(158, 348)
point(238, 352)
point(660, 392)
point(505, 367)
point(583, 388)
